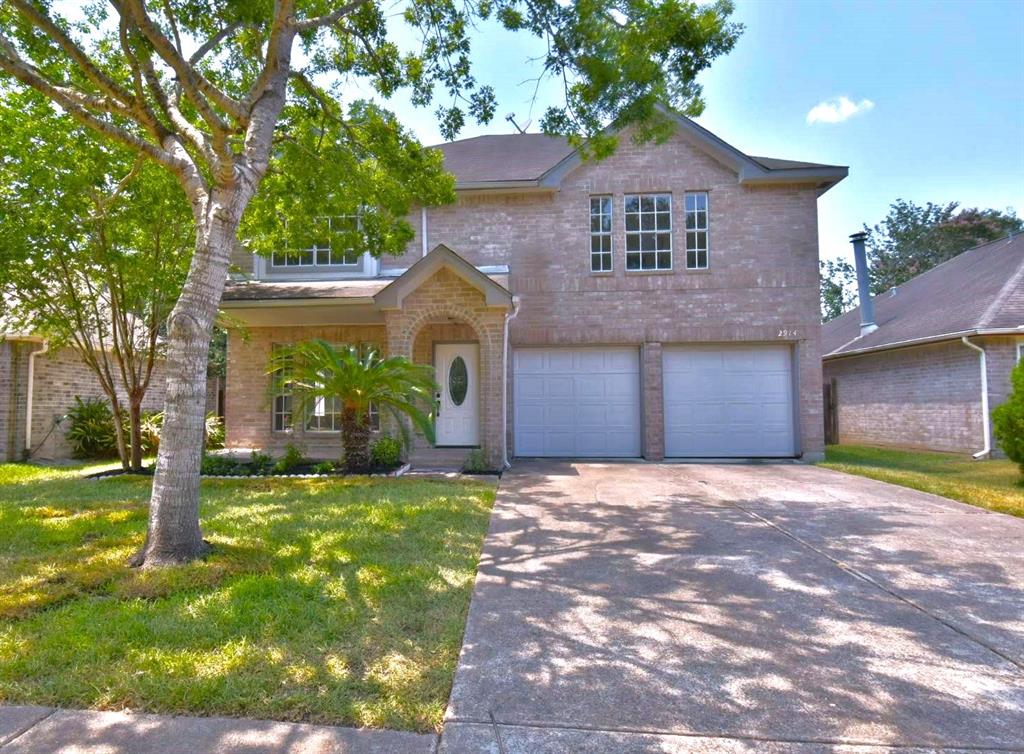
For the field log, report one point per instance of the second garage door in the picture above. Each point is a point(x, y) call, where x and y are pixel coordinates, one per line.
point(728, 401)
point(577, 402)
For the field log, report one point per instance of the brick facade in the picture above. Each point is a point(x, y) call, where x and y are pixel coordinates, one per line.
point(761, 285)
point(247, 399)
point(925, 397)
point(60, 375)
point(444, 309)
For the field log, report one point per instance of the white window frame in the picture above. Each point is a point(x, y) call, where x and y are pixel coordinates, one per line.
point(281, 407)
point(640, 232)
point(309, 258)
point(603, 200)
point(697, 230)
point(1020, 350)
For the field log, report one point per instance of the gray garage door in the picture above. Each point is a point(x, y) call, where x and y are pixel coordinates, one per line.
point(728, 401)
point(577, 402)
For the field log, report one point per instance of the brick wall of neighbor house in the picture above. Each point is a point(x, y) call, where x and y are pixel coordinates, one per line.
point(13, 371)
point(762, 285)
point(1000, 357)
point(59, 377)
point(926, 397)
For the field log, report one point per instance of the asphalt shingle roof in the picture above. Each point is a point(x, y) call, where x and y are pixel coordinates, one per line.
point(504, 157)
point(980, 289)
point(527, 157)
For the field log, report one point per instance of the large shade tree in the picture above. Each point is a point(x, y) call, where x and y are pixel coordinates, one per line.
point(226, 93)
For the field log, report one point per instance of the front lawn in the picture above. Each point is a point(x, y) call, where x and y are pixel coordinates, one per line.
point(335, 601)
point(995, 485)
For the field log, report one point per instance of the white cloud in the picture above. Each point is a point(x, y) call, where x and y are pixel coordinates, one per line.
point(838, 109)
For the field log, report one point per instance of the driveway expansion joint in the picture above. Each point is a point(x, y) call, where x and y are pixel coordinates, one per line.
point(26, 728)
point(878, 585)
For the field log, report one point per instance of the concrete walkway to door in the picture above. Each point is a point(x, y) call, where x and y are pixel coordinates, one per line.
point(718, 608)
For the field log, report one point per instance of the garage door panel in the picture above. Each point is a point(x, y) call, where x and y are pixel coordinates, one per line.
point(577, 402)
point(728, 401)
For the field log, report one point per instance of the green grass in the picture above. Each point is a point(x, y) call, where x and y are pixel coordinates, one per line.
point(338, 601)
point(995, 485)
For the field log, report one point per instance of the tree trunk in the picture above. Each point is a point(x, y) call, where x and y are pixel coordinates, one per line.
point(135, 423)
point(355, 429)
point(122, 444)
point(174, 535)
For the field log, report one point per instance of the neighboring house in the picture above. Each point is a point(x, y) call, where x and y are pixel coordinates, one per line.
point(919, 380)
point(37, 387)
point(660, 303)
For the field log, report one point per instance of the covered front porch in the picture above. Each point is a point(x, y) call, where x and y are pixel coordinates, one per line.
point(441, 311)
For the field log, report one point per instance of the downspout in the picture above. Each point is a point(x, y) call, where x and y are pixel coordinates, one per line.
point(31, 383)
point(504, 386)
point(423, 228)
point(987, 449)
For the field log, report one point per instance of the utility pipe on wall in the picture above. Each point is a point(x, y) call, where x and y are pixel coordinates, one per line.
point(31, 382)
point(504, 385)
point(987, 449)
point(423, 229)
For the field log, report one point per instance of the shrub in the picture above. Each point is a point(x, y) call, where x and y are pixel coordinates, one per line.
point(150, 425)
point(292, 457)
point(1008, 419)
point(218, 465)
point(324, 467)
point(386, 452)
point(214, 432)
point(260, 463)
point(91, 430)
point(476, 462)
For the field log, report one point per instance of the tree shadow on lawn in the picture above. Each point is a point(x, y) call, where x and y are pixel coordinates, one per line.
point(341, 603)
point(680, 612)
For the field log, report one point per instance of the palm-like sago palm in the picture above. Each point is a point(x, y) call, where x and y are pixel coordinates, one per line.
point(317, 370)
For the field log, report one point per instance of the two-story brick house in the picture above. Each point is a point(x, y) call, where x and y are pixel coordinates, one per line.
point(660, 303)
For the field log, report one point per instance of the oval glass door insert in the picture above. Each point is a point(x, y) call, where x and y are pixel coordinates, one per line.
point(458, 381)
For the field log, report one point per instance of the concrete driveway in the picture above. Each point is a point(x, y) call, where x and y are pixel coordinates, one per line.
point(727, 608)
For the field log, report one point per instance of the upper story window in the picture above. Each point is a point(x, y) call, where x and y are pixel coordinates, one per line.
point(600, 234)
point(321, 252)
point(648, 231)
point(697, 230)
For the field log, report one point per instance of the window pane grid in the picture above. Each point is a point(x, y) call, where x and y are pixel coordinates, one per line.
point(320, 252)
point(648, 220)
point(697, 226)
point(600, 234)
point(281, 411)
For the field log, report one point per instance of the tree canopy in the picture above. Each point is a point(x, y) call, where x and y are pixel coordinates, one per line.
point(94, 247)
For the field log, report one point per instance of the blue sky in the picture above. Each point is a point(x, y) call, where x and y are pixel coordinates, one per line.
point(945, 81)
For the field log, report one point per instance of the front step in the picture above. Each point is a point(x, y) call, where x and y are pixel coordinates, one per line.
point(448, 459)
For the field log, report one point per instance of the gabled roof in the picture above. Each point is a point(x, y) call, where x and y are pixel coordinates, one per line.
point(501, 158)
point(524, 161)
point(978, 291)
point(392, 296)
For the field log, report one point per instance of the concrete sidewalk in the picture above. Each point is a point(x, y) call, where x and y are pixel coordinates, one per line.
point(44, 730)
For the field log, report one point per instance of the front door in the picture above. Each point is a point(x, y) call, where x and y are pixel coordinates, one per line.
point(457, 366)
